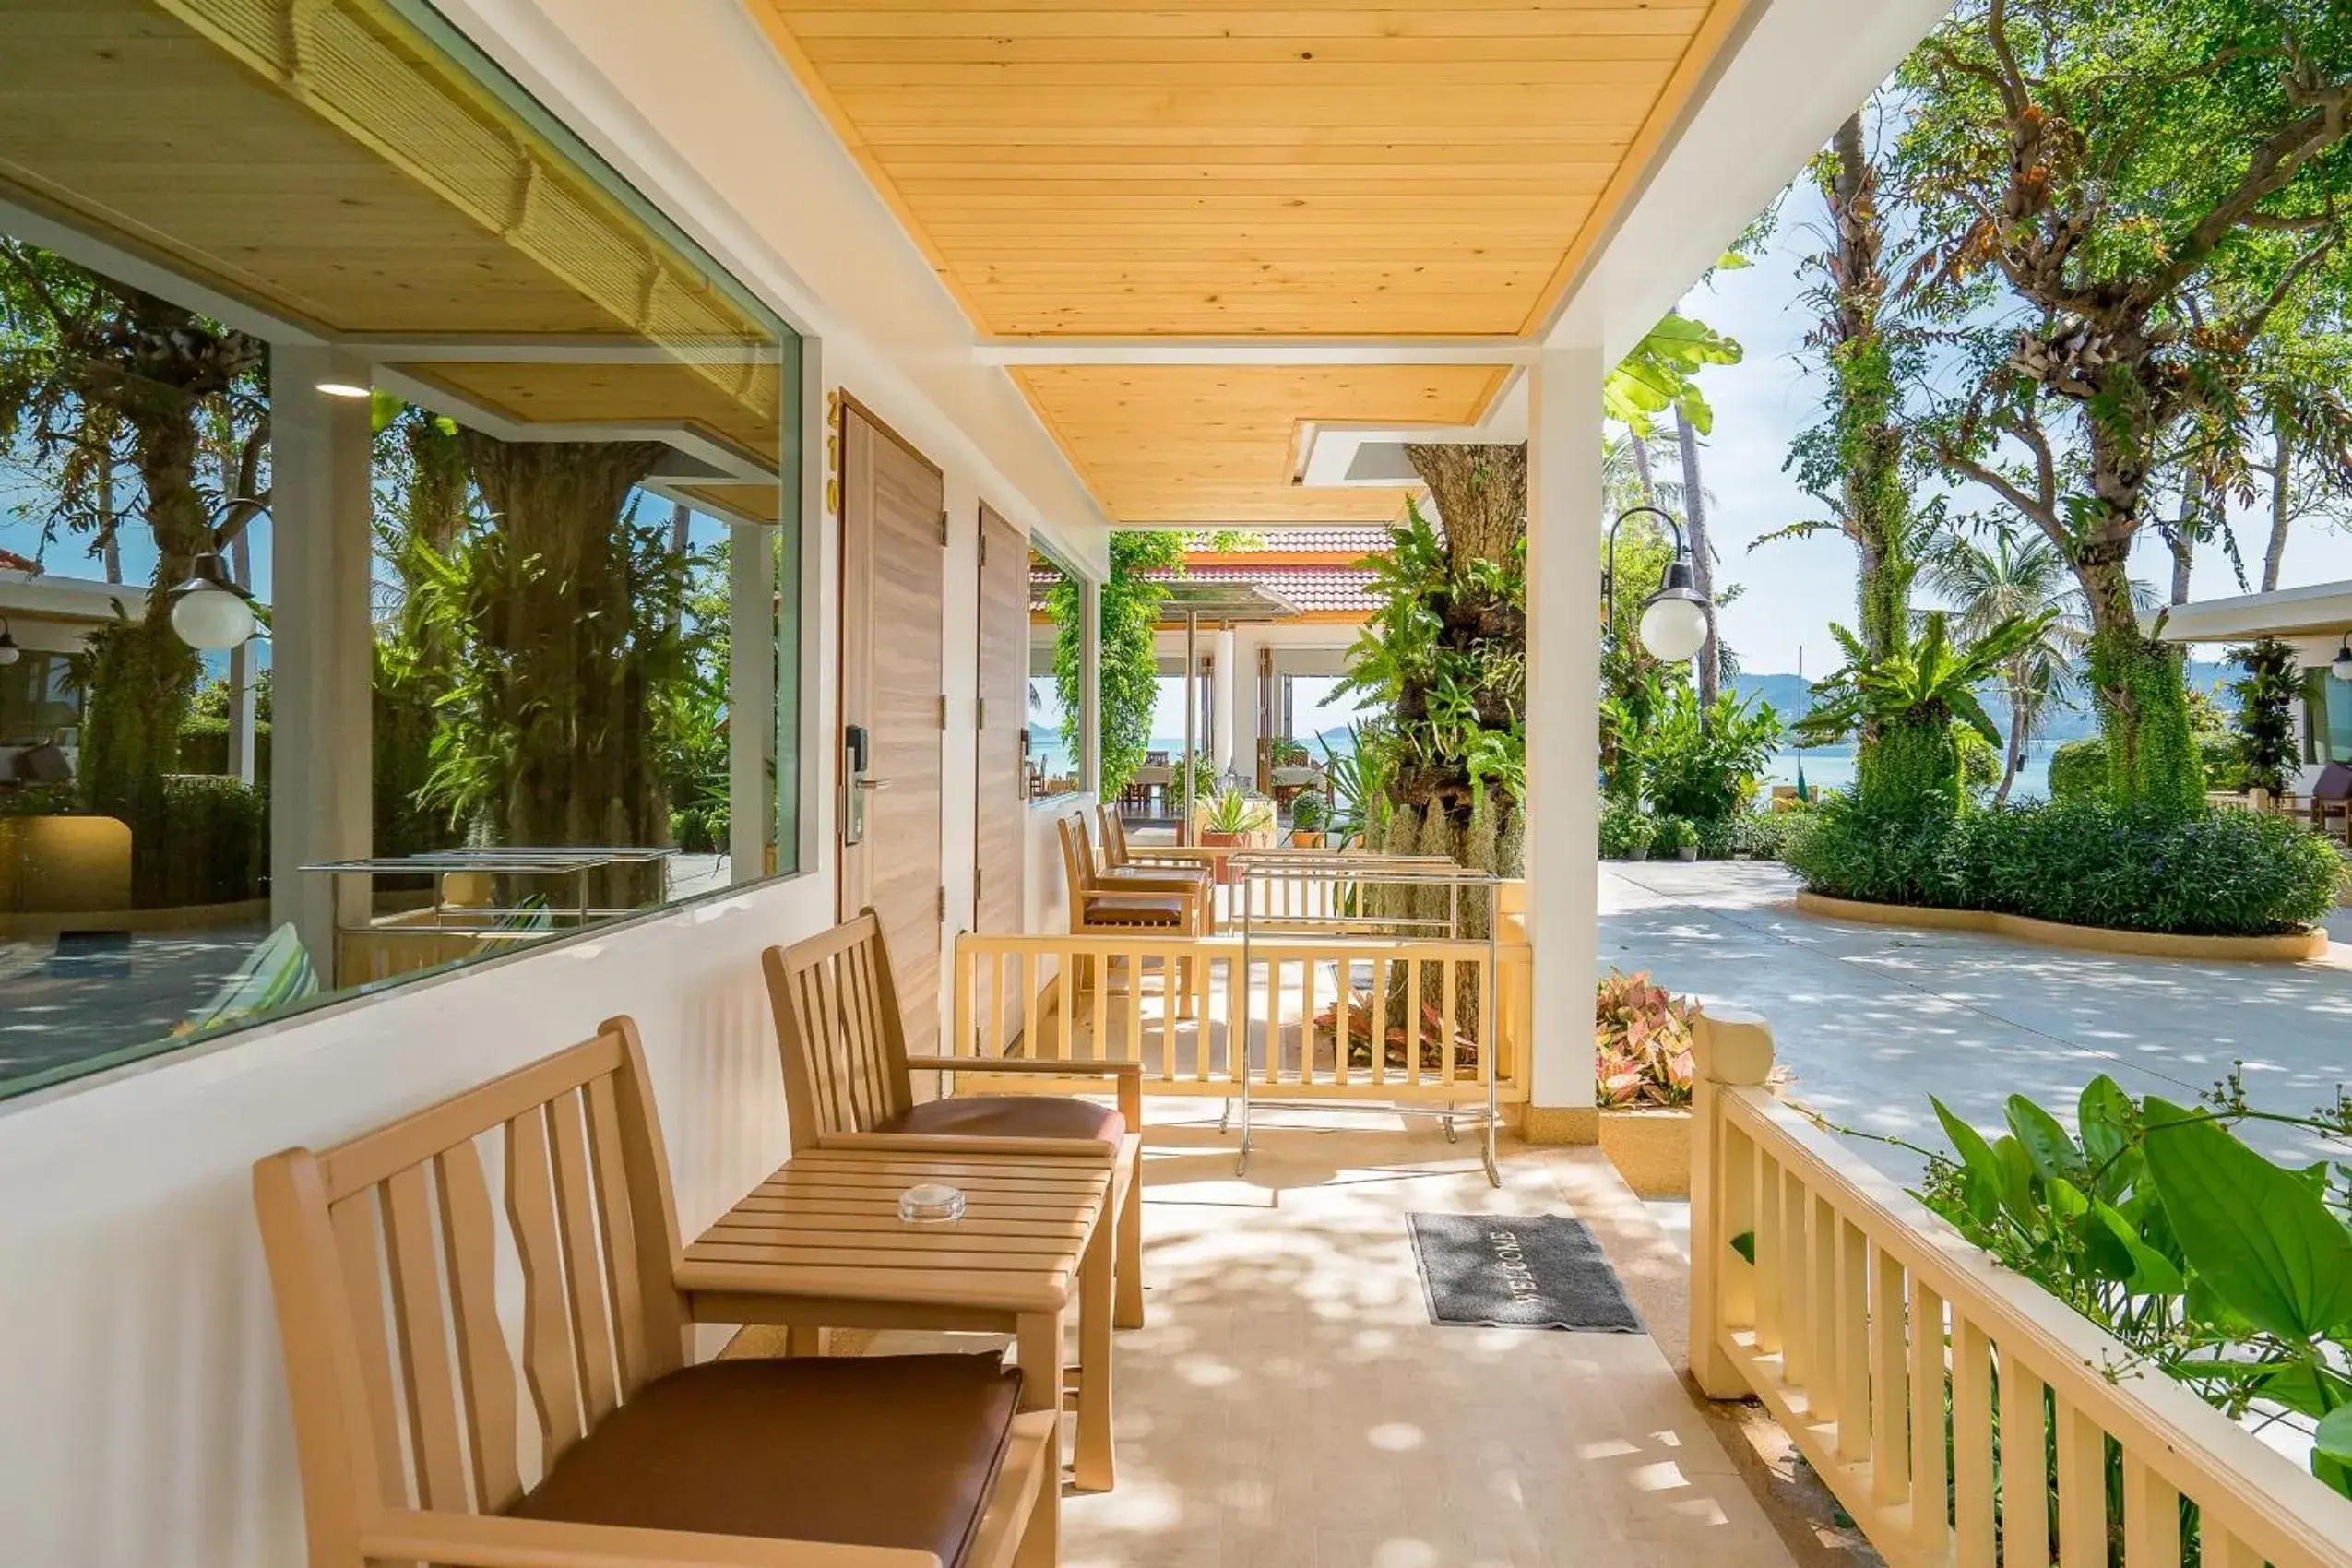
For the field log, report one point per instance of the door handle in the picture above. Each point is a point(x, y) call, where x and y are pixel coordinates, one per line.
point(873, 783)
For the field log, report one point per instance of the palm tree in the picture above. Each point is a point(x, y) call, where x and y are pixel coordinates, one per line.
point(1629, 472)
point(1989, 585)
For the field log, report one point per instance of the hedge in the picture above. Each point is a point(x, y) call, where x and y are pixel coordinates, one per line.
point(2080, 862)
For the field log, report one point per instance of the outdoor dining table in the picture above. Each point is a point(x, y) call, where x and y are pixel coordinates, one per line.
point(819, 1244)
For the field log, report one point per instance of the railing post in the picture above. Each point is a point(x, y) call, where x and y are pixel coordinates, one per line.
point(1730, 1050)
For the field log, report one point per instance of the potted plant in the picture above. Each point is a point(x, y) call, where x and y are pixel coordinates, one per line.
point(1642, 1046)
point(1309, 812)
point(1228, 821)
point(1681, 835)
point(1626, 831)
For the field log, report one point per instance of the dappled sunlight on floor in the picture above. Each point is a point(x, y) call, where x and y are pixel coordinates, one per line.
point(1290, 1402)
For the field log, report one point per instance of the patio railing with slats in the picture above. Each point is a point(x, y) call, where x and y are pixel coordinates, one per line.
point(1959, 1413)
point(1197, 1017)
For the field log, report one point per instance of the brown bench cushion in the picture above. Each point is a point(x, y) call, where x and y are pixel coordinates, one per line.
point(892, 1451)
point(1134, 908)
point(1011, 1116)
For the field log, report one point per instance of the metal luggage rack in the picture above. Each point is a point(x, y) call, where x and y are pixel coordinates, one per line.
point(1323, 892)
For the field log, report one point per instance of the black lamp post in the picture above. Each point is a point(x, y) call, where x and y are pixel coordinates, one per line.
point(1674, 619)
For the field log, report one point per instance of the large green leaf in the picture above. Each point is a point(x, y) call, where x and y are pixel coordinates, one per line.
point(2148, 1272)
point(2104, 1114)
point(2334, 1448)
point(1986, 1180)
point(2053, 1153)
point(2252, 1231)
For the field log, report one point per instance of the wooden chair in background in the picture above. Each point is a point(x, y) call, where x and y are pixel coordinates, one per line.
point(644, 1458)
point(847, 1084)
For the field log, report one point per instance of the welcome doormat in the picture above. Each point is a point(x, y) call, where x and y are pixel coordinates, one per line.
point(1518, 1271)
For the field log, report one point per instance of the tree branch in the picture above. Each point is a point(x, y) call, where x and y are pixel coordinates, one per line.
point(2008, 489)
point(2272, 168)
point(2243, 330)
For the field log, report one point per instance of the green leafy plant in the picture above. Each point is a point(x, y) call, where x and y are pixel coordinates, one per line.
point(1678, 833)
point(1358, 779)
point(1903, 705)
point(1289, 752)
point(2155, 1221)
point(1308, 811)
point(1231, 812)
point(2267, 699)
point(1626, 828)
point(1701, 764)
point(1642, 1040)
point(1130, 669)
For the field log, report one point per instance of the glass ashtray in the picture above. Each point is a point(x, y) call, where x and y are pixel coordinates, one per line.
point(932, 1203)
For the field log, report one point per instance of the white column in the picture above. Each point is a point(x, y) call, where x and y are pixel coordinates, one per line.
point(320, 637)
point(751, 701)
point(1564, 736)
point(1227, 654)
point(1090, 687)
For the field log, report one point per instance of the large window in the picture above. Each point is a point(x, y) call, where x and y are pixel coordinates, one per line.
point(2327, 717)
point(413, 517)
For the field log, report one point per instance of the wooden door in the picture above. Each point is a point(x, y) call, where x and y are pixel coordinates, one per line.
point(1000, 808)
point(893, 526)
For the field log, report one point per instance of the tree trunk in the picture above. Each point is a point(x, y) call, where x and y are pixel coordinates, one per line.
point(2020, 720)
point(1695, 516)
point(2282, 512)
point(1481, 498)
point(573, 707)
point(2181, 539)
point(1864, 401)
point(2142, 698)
point(1642, 473)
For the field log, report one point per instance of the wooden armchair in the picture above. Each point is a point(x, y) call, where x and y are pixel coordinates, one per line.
point(882, 1462)
point(847, 1084)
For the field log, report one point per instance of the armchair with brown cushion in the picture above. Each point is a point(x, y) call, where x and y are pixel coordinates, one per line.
point(848, 1084)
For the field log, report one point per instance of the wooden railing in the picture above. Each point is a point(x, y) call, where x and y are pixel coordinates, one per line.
point(1197, 1018)
point(1958, 1412)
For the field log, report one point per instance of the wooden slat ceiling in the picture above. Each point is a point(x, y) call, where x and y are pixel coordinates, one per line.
point(318, 160)
point(1214, 166)
point(1249, 168)
point(1212, 444)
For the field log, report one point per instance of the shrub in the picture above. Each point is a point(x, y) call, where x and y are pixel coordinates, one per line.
point(204, 745)
point(1642, 1041)
point(1845, 849)
point(1763, 834)
point(216, 847)
point(1308, 810)
point(1678, 833)
point(1626, 828)
point(1701, 769)
point(2078, 768)
point(40, 800)
point(2267, 699)
point(2079, 861)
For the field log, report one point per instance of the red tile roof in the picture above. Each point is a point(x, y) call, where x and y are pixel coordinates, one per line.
point(1314, 589)
point(1304, 542)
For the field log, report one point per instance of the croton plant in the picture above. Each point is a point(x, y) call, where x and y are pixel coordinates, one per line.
point(1642, 1032)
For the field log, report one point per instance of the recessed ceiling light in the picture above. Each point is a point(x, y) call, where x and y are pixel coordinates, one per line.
point(343, 389)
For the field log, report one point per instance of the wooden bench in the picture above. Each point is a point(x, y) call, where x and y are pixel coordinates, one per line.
point(408, 1422)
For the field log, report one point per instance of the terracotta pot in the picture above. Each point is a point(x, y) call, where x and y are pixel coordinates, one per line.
point(1651, 1148)
point(1300, 840)
point(1212, 839)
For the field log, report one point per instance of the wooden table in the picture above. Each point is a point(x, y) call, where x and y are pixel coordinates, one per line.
point(820, 1245)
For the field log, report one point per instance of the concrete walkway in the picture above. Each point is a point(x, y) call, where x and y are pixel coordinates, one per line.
point(1873, 1019)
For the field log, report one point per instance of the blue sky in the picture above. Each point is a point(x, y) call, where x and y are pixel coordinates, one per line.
point(1796, 587)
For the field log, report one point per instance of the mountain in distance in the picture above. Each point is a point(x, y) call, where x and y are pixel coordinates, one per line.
point(1791, 696)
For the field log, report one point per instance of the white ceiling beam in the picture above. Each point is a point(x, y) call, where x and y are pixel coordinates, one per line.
point(1284, 351)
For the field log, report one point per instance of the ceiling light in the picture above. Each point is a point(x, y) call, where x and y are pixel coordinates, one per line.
point(343, 389)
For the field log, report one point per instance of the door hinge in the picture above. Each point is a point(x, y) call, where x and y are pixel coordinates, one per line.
point(943, 527)
point(942, 710)
point(980, 713)
point(983, 544)
point(976, 887)
point(943, 903)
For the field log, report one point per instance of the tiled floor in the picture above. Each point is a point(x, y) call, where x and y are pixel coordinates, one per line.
point(1291, 1404)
